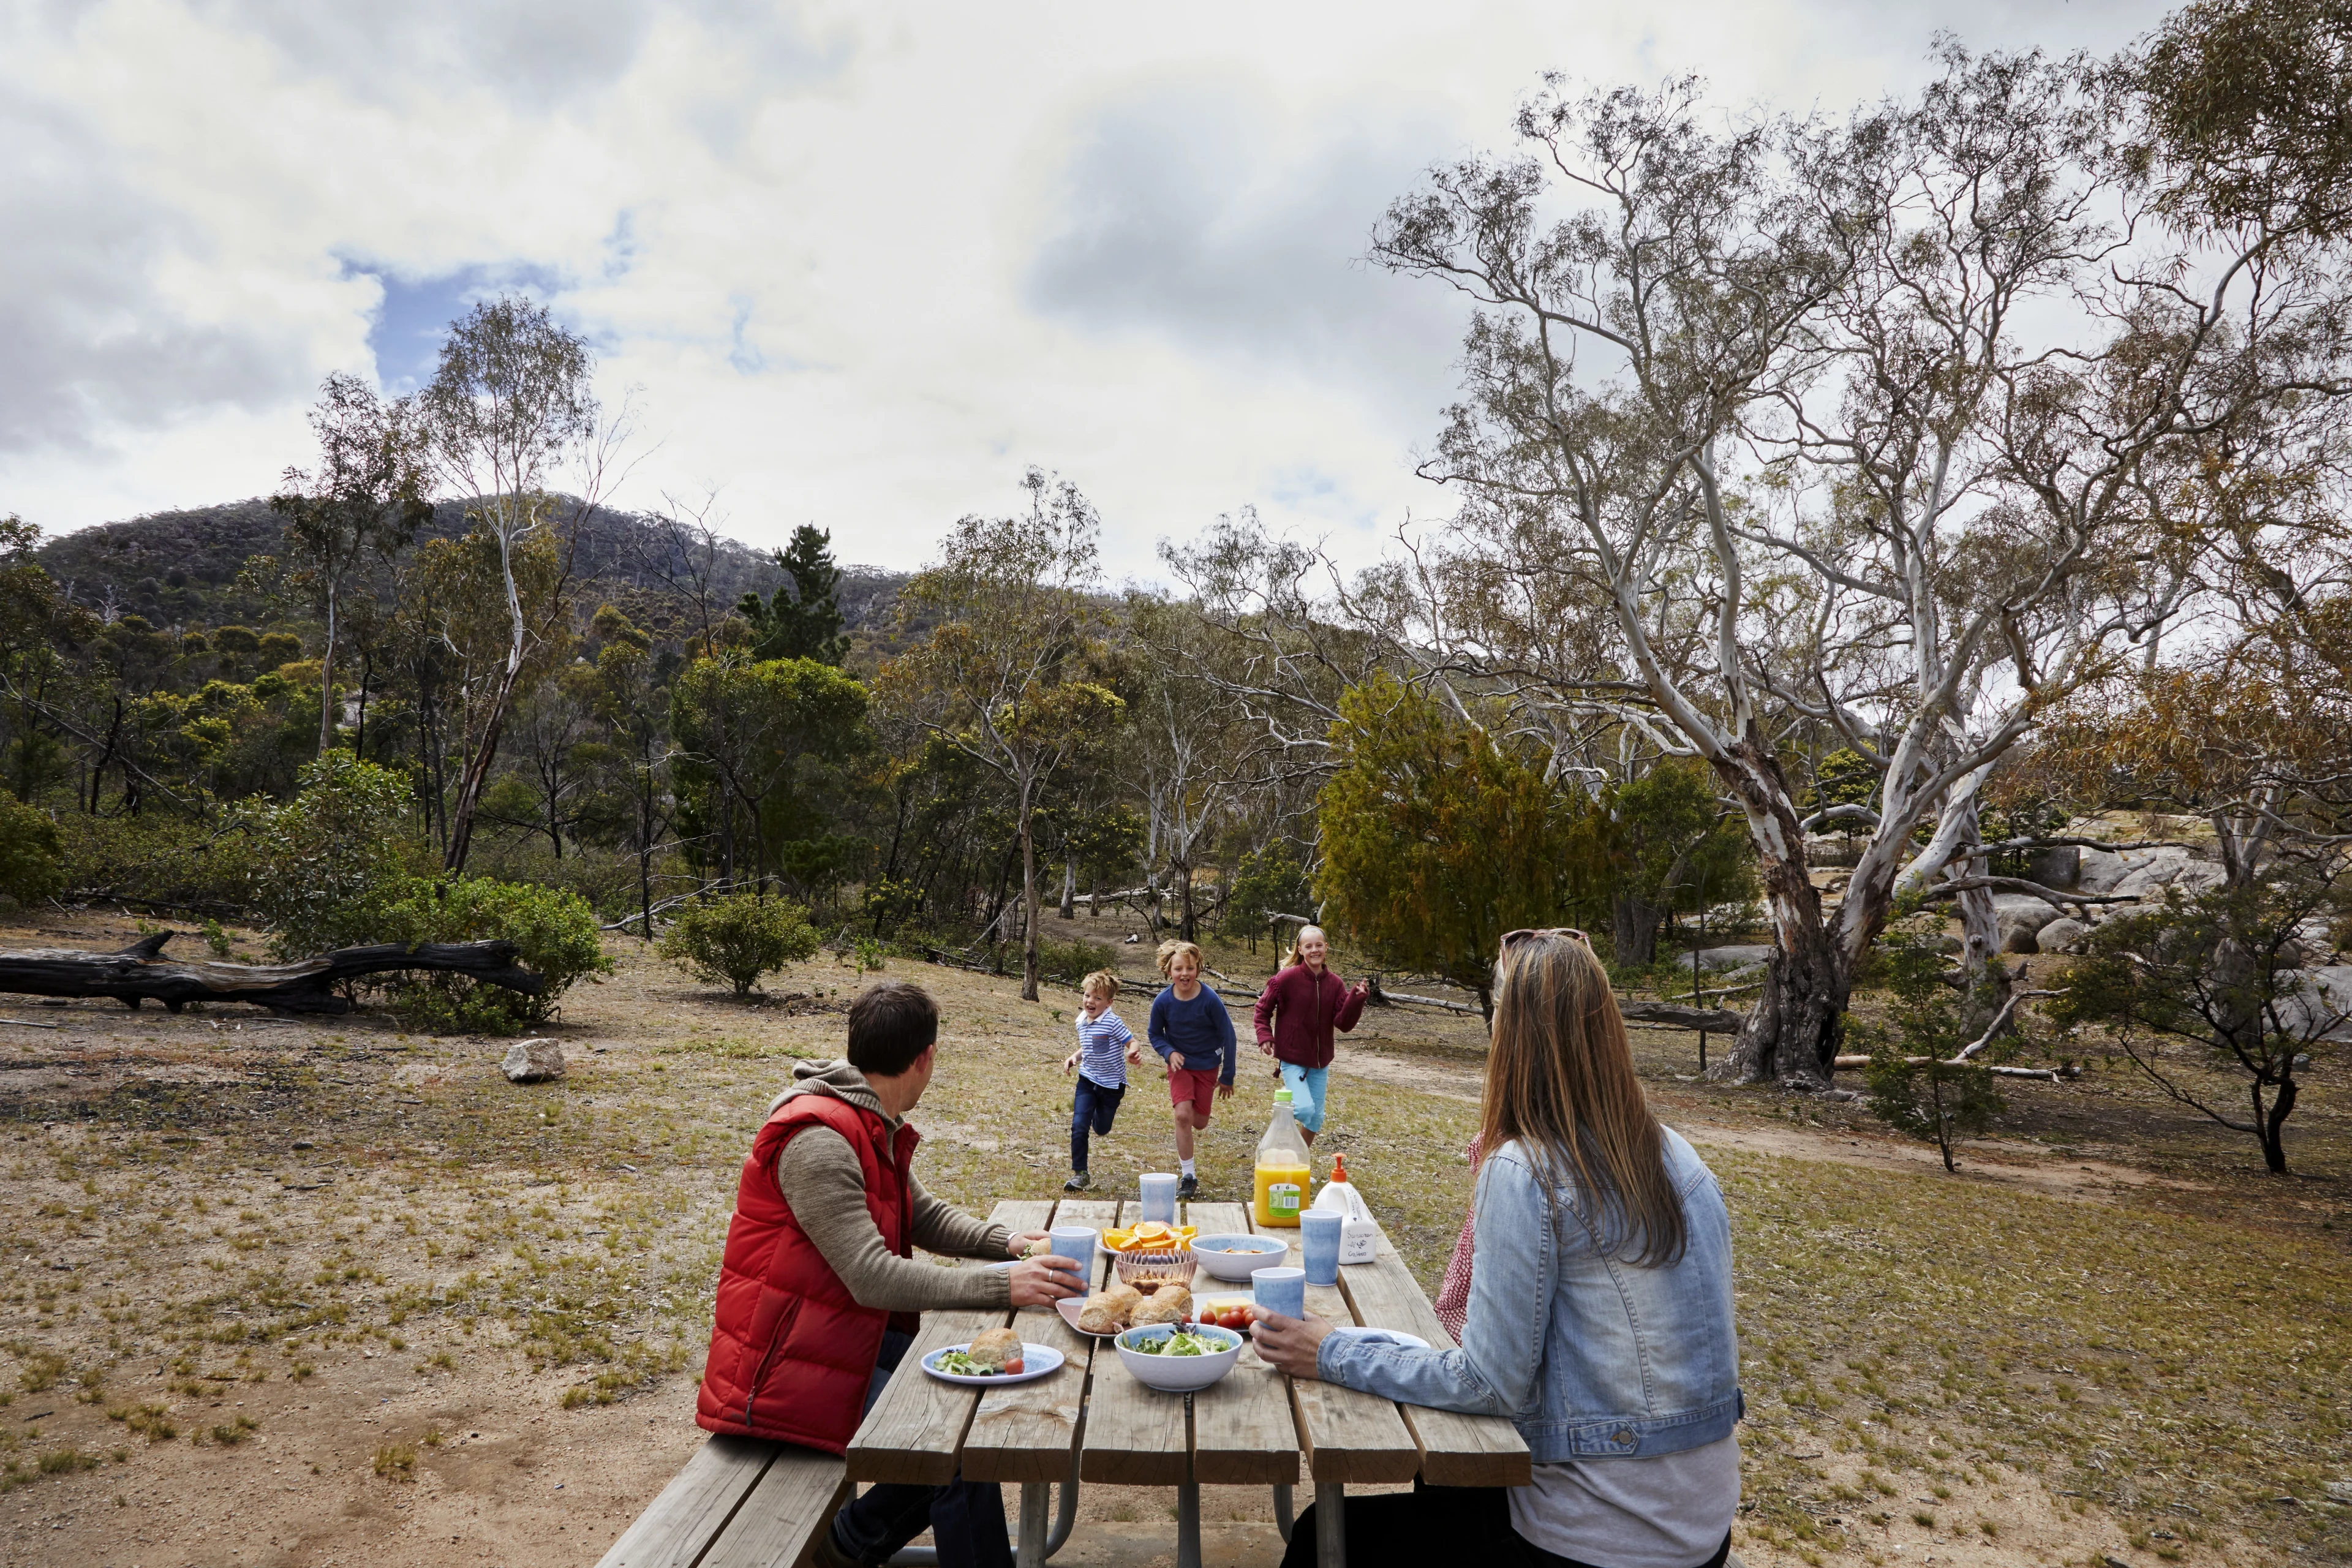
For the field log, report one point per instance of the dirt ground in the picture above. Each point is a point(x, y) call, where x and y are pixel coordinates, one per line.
point(294, 1293)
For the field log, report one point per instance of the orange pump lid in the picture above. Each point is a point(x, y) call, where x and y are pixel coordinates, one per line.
point(1338, 1167)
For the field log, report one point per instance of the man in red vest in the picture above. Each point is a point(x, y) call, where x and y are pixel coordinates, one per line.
point(818, 1289)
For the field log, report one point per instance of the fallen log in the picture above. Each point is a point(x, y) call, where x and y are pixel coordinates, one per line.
point(2052, 1075)
point(1675, 1016)
point(140, 973)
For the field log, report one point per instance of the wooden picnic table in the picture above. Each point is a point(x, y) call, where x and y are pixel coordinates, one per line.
point(1091, 1421)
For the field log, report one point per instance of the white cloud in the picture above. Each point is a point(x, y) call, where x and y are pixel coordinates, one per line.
point(862, 262)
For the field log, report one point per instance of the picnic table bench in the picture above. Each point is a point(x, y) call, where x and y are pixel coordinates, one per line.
point(740, 1501)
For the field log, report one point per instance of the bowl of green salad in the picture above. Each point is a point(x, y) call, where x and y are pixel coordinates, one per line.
point(1178, 1358)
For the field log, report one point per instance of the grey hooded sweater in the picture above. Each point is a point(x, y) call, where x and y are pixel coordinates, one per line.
point(823, 1184)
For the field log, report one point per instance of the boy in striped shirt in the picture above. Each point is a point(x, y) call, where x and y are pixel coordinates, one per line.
point(1106, 1045)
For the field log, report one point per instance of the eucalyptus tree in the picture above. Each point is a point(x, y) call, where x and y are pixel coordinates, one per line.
point(1952, 361)
point(511, 412)
point(367, 498)
point(1008, 676)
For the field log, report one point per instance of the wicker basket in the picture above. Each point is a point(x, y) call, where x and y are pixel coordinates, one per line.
point(1147, 1270)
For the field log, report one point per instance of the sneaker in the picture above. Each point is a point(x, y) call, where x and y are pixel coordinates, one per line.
point(1080, 1182)
point(1188, 1187)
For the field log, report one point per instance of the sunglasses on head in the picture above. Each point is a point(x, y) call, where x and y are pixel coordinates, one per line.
point(1511, 939)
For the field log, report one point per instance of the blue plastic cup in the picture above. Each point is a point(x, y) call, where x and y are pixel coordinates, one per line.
point(1158, 1196)
point(1282, 1291)
point(1075, 1242)
point(1319, 1239)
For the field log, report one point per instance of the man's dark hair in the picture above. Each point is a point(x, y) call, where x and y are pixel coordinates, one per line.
point(890, 1025)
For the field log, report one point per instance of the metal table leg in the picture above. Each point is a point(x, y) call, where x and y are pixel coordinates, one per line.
point(1331, 1524)
point(1282, 1519)
point(1067, 1514)
point(1037, 1497)
point(1188, 1525)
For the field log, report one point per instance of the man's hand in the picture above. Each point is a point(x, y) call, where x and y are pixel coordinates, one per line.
point(1225, 1091)
point(1042, 1281)
point(1289, 1344)
point(1019, 1246)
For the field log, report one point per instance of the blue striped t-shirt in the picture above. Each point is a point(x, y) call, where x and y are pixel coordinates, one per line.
point(1102, 1048)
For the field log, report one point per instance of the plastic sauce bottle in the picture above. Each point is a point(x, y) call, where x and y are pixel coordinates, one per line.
point(1284, 1174)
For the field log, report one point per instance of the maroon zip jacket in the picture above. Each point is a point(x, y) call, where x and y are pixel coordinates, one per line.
point(1298, 1012)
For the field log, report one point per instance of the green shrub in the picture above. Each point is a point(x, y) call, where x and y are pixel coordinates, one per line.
point(555, 930)
point(32, 858)
point(324, 861)
point(738, 938)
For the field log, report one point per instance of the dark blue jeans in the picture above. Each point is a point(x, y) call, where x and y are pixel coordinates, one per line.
point(1093, 1106)
point(966, 1519)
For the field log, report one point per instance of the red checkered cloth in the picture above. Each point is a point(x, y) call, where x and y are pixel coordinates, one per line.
point(1454, 1291)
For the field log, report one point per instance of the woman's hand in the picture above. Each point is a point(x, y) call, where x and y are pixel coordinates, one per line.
point(1289, 1344)
point(1042, 1281)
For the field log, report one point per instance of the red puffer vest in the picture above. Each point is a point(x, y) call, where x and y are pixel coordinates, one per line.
point(791, 1350)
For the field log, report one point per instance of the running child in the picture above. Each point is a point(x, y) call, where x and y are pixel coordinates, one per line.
point(1194, 1036)
point(1105, 1045)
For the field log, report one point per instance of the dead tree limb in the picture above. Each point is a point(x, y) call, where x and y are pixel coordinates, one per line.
point(140, 973)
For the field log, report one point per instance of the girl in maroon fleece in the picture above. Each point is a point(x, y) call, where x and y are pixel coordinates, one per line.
point(1295, 1015)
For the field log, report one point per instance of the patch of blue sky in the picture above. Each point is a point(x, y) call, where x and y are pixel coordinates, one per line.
point(415, 312)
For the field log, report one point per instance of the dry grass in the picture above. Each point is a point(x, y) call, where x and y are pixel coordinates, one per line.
point(250, 1214)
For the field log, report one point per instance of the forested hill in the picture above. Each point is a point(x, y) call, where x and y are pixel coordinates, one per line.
point(181, 568)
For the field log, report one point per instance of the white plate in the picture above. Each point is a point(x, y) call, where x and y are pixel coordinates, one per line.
point(1036, 1360)
point(1071, 1305)
point(1384, 1335)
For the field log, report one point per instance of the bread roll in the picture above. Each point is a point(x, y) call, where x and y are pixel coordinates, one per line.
point(1169, 1304)
point(1105, 1313)
point(1127, 1295)
point(996, 1349)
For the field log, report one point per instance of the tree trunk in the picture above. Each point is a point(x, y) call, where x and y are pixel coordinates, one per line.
point(326, 680)
point(1028, 903)
point(1188, 924)
point(1069, 887)
point(477, 773)
point(1791, 1035)
point(1633, 929)
point(2273, 1124)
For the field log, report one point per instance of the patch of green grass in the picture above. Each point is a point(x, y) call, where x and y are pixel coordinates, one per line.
point(396, 1461)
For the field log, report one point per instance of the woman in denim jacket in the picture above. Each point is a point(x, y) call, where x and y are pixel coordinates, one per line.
point(1623, 1377)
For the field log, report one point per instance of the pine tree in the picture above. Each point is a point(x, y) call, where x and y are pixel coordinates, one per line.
point(803, 619)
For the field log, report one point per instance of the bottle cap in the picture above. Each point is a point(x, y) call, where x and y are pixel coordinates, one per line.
point(1282, 1097)
point(1338, 1167)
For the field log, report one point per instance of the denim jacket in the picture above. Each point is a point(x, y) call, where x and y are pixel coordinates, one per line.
point(1589, 1357)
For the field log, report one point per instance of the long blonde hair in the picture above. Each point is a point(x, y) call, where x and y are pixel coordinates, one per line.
point(1561, 1082)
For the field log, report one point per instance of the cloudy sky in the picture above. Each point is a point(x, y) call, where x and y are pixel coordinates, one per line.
point(860, 264)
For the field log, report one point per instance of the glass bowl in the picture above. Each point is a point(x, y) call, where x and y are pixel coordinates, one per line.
point(1147, 1270)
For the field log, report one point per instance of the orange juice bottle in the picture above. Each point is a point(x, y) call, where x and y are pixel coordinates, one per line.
point(1284, 1175)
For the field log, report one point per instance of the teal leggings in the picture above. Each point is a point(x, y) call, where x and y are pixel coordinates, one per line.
point(1306, 1090)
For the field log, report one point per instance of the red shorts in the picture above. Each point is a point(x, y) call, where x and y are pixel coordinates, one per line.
point(1200, 1087)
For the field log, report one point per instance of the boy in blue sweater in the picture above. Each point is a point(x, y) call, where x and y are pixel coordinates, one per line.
point(1194, 1036)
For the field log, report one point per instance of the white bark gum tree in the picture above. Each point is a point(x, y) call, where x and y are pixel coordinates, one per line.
point(1949, 529)
point(508, 407)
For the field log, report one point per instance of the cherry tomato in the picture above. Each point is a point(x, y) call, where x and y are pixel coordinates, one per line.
point(1012, 1366)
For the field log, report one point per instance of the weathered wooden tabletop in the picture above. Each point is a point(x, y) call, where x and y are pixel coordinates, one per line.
point(1251, 1427)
